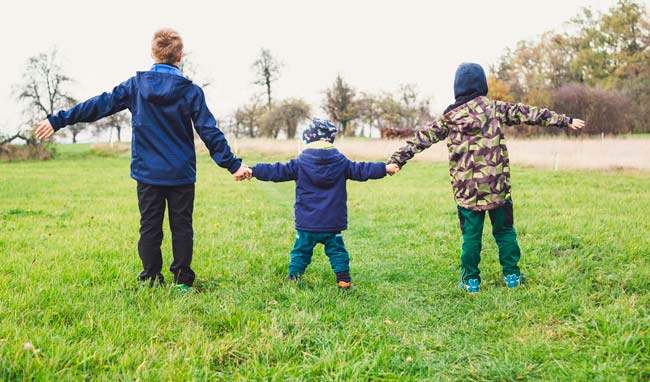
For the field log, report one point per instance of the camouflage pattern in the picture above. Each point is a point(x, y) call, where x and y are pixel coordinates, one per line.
point(478, 157)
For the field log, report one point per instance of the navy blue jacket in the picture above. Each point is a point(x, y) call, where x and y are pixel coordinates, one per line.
point(164, 107)
point(321, 195)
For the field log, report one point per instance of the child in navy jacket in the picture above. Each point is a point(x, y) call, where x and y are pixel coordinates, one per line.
point(164, 106)
point(320, 211)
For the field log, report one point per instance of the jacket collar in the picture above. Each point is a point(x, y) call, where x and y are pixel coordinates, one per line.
point(320, 145)
point(165, 68)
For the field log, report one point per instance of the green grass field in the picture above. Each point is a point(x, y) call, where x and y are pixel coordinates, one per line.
point(68, 234)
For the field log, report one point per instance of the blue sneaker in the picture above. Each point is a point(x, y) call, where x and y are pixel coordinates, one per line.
point(513, 281)
point(472, 286)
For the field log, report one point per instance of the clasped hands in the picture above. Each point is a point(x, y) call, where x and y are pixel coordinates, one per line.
point(244, 172)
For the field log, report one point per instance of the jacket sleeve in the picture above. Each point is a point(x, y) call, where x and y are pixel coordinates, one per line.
point(95, 108)
point(276, 172)
point(212, 136)
point(362, 171)
point(518, 113)
point(424, 138)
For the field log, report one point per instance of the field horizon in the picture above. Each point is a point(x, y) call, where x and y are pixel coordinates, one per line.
point(556, 153)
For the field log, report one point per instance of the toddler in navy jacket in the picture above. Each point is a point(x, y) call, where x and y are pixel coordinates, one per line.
point(165, 107)
point(320, 211)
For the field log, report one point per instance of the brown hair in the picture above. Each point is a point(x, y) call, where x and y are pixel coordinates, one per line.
point(166, 46)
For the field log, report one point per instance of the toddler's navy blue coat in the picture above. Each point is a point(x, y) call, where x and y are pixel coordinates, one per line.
point(164, 107)
point(321, 194)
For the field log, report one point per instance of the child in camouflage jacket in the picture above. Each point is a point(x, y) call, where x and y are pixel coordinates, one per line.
point(479, 166)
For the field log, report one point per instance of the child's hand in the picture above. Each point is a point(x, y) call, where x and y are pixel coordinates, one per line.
point(44, 129)
point(244, 172)
point(577, 124)
point(392, 169)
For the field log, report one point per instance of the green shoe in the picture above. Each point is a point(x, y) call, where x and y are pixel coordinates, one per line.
point(181, 288)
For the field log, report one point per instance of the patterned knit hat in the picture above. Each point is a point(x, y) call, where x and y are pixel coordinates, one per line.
point(319, 130)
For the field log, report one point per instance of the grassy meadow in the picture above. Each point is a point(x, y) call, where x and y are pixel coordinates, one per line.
point(71, 310)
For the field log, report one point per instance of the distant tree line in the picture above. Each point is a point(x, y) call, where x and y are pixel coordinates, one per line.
point(356, 113)
point(598, 69)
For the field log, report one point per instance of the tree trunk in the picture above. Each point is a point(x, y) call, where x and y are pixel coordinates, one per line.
point(74, 137)
point(268, 91)
point(119, 131)
point(291, 131)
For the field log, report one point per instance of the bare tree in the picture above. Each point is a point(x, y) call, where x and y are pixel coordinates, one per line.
point(370, 112)
point(340, 105)
point(117, 121)
point(285, 116)
point(76, 129)
point(247, 117)
point(271, 124)
point(394, 115)
point(189, 69)
point(414, 111)
point(267, 71)
point(43, 89)
point(294, 110)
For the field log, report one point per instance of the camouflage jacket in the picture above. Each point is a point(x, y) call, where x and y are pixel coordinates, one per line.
point(478, 157)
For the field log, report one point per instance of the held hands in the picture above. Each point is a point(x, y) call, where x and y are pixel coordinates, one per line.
point(244, 172)
point(44, 130)
point(392, 169)
point(577, 124)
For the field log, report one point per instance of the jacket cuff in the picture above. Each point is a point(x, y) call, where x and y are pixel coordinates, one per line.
point(235, 166)
point(393, 161)
point(255, 169)
point(382, 170)
point(54, 121)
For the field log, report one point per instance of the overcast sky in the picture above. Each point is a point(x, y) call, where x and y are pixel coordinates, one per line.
point(375, 45)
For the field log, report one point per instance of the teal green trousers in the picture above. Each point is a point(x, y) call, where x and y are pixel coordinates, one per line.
point(303, 250)
point(471, 224)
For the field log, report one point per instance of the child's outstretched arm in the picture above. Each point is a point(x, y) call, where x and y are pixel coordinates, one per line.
point(362, 171)
point(90, 110)
point(434, 132)
point(276, 172)
point(518, 113)
point(206, 126)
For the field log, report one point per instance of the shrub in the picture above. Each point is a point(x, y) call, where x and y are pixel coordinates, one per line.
point(11, 153)
point(604, 111)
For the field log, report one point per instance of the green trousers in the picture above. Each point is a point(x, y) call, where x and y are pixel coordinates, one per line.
point(303, 250)
point(471, 224)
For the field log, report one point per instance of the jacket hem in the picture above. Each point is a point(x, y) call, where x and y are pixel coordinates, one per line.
point(164, 182)
point(321, 229)
point(486, 207)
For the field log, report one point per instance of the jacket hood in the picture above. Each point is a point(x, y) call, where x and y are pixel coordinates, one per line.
point(162, 88)
point(470, 81)
point(323, 166)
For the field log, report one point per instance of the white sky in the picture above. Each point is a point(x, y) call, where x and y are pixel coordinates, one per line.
point(375, 45)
